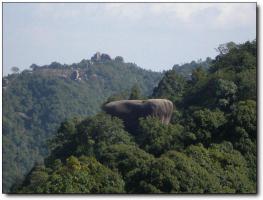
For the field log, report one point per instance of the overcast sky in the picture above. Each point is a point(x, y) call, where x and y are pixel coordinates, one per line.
point(153, 35)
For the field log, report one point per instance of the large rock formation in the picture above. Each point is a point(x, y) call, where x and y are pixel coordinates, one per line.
point(131, 110)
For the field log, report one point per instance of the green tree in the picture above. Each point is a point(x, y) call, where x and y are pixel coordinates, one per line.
point(245, 116)
point(119, 59)
point(198, 74)
point(157, 138)
point(225, 48)
point(158, 176)
point(172, 86)
point(77, 175)
point(90, 137)
point(126, 159)
point(135, 92)
point(207, 125)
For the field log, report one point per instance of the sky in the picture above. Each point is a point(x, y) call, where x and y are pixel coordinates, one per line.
point(153, 35)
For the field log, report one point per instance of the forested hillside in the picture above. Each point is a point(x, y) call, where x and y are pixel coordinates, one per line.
point(209, 146)
point(36, 101)
point(186, 69)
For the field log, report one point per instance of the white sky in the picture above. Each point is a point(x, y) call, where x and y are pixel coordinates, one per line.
point(153, 35)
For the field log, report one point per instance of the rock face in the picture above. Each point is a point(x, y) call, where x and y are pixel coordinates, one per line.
point(131, 110)
point(75, 75)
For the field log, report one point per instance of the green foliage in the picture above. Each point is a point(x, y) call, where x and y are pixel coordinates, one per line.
point(119, 59)
point(117, 97)
point(187, 69)
point(198, 75)
point(210, 146)
point(239, 58)
point(90, 137)
point(245, 133)
point(77, 175)
point(156, 177)
point(135, 92)
point(103, 131)
point(245, 116)
point(220, 104)
point(218, 169)
point(36, 102)
point(207, 124)
point(225, 88)
point(157, 138)
point(225, 48)
point(209, 120)
point(127, 160)
point(225, 92)
point(172, 86)
point(231, 78)
point(247, 82)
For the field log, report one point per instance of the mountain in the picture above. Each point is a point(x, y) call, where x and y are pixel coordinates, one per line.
point(186, 69)
point(36, 101)
point(210, 146)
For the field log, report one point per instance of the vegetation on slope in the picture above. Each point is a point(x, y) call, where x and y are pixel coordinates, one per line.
point(209, 147)
point(36, 101)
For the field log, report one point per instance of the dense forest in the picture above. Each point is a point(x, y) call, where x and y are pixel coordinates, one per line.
point(210, 146)
point(186, 69)
point(36, 101)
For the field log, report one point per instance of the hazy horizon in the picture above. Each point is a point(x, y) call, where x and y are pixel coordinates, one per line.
point(153, 35)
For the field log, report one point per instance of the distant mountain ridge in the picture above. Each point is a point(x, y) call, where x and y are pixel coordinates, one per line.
point(186, 69)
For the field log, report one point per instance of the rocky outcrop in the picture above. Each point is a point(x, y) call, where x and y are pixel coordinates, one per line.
point(131, 110)
point(75, 75)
